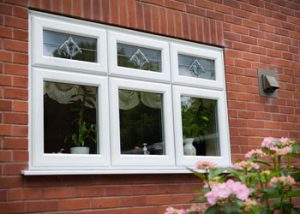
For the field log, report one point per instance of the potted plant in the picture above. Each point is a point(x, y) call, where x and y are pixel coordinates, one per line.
point(83, 129)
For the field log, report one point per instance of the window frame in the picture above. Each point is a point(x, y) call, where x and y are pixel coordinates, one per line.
point(143, 160)
point(108, 75)
point(182, 160)
point(197, 51)
point(66, 161)
point(144, 41)
point(39, 23)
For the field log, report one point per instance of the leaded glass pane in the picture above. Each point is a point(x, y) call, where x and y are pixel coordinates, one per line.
point(131, 56)
point(141, 123)
point(199, 126)
point(69, 46)
point(70, 113)
point(196, 67)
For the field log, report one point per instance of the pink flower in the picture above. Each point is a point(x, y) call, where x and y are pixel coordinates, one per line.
point(255, 153)
point(212, 197)
point(284, 140)
point(224, 190)
point(240, 190)
point(171, 210)
point(281, 151)
point(205, 165)
point(282, 181)
point(267, 142)
point(245, 165)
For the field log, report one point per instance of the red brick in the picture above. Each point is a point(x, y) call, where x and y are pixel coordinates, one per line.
point(13, 169)
point(195, 10)
point(20, 106)
point(15, 143)
point(14, 69)
point(132, 13)
point(5, 129)
point(5, 32)
point(175, 5)
point(156, 19)
point(20, 156)
point(20, 131)
point(12, 93)
point(16, 22)
point(170, 19)
point(105, 202)
point(59, 192)
point(16, 207)
point(74, 204)
point(20, 12)
point(5, 156)
point(20, 58)
point(5, 80)
point(20, 35)
point(145, 210)
point(56, 5)
point(42, 206)
point(114, 6)
point(148, 17)
point(14, 45)
point(5, 56)
point(15, 118)
point(140, 16)
point(178, 24)
point(5, 9)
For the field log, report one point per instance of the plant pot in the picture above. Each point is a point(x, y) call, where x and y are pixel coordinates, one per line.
point(80, 150)
point(188, 147)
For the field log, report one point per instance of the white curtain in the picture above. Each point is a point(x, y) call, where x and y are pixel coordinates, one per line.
point(64, 94)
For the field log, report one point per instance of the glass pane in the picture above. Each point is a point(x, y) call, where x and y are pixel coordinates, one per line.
point(141, 123)
point(199, 124)
point(70, 113)
point(140, 58)
point(196, 67)
point(69, 46)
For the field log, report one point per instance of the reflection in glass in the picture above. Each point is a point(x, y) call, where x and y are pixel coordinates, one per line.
point(70, 113)
point(141, 123)
point(200, 128)
point(139, 58)
point(69, 46)
point(196, 67)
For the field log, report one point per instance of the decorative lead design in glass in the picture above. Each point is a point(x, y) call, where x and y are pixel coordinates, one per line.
point(139, 59)
point(131, 56)
point(69, 48)
point(196, 67)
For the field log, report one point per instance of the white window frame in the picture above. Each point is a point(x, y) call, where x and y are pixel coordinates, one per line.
point(109, 77)
point(141, 160)
point(198, 51)
point(142, 41)
point(183, 160)
point(41, 160)
point(39, 24)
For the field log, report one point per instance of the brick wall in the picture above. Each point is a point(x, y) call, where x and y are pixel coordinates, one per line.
point(254, 34)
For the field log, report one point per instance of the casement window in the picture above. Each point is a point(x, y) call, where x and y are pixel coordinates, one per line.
point(106, 100)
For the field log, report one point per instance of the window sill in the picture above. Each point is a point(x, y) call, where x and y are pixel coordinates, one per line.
point(104, 172)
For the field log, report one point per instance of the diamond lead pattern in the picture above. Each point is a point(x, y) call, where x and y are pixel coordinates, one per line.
point(139, 59)
point(196, 68)
point(69, 48)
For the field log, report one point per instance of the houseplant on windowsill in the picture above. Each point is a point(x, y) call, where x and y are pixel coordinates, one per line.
point(83, 129)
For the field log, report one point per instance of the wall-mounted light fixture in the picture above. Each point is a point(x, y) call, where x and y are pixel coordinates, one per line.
point(268, 82)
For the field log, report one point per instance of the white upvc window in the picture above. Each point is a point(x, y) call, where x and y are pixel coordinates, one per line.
point(105, 100)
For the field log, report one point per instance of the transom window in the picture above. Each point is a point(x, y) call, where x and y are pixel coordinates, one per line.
point(106, 100)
